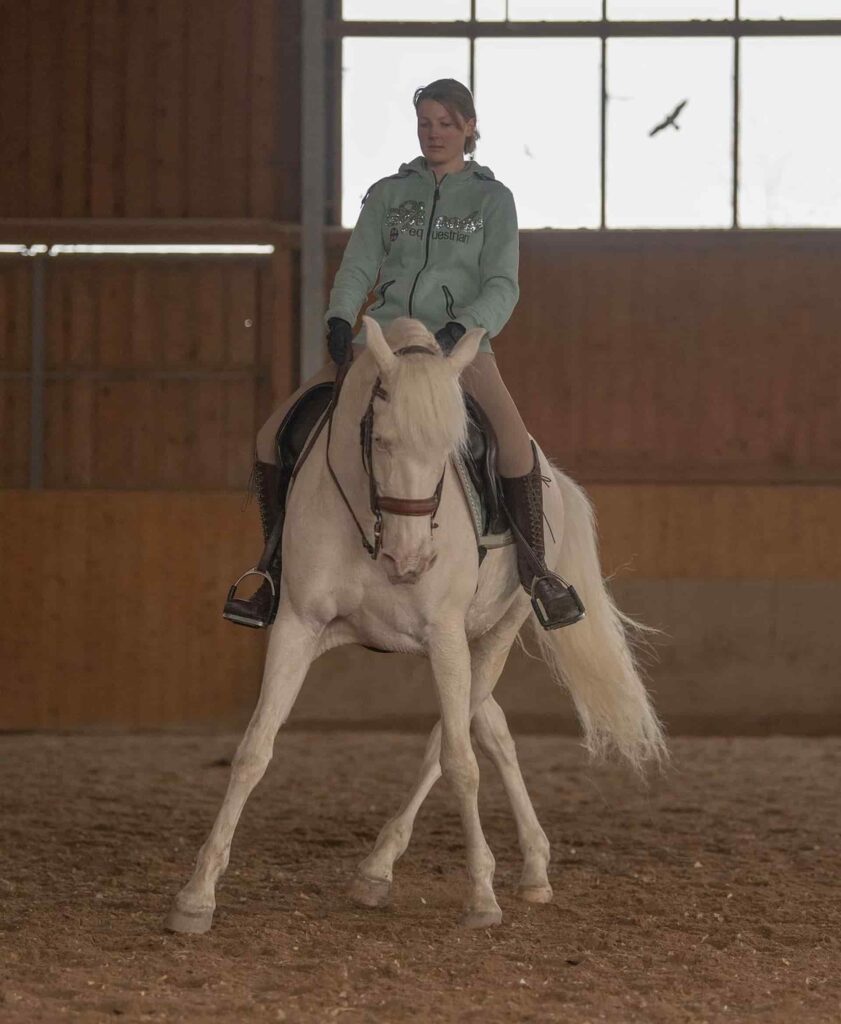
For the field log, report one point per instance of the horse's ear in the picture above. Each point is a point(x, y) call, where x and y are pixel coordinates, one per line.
point(466, 348)
point(377, 345)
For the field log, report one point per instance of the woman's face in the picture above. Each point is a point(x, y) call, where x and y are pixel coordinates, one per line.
point(441, 135)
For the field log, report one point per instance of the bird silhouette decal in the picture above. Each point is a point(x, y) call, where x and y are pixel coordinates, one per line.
point(670, 120)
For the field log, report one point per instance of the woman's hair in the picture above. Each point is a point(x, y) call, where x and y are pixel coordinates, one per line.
point(458, 100)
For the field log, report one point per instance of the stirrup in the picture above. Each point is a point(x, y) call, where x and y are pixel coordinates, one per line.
point(540, 609)
point(254, 623)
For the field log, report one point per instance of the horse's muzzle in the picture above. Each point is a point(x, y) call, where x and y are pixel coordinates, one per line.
point(408, 571)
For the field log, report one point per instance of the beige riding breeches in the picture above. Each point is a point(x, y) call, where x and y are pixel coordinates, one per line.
point(481, 379)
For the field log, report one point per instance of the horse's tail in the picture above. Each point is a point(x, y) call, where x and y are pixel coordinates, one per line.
point(594, 658)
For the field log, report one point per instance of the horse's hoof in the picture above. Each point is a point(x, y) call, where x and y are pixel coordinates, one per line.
point(370, 892)
point(482, 918)
point(193, 922)
point(535, 893)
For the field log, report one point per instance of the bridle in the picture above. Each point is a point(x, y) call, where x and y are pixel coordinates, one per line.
point(380, 502)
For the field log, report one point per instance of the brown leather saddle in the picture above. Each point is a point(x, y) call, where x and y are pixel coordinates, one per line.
point(479, 457)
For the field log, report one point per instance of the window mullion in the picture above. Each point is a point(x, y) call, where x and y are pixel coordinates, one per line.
point(603, 126)
point(736, 83)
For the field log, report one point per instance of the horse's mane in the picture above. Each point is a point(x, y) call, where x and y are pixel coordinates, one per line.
point(427, 406)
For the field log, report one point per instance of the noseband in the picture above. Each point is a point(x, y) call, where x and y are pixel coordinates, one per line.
point(381, 502)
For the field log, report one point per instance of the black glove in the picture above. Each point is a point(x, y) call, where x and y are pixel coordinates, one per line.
point(339, 340)
point(448, 336)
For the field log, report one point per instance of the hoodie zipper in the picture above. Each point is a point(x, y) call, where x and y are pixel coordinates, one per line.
point(435, 199)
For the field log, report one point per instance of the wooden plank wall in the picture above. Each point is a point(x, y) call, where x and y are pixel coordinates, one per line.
point(129, 589)
point(15, 362)
point(149, 108)
point(681, 355)
point(654, 359)
point(159, 371)
point(124, 592)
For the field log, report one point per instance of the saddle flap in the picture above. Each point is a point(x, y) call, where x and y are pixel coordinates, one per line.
point(480, 459)
point(298, 423)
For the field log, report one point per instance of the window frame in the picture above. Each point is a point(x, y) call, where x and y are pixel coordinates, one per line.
point(734, 28)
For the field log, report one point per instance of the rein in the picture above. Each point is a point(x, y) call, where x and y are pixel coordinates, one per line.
point(379, 503)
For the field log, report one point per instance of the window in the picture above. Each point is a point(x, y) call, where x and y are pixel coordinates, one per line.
point(790, 153)
point(669, 131)
point(612, 113)
point(547, 153)
point(379, 78)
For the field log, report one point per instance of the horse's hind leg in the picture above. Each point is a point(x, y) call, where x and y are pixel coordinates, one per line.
point(291, 649)
point(372, 884)
point(491, 731)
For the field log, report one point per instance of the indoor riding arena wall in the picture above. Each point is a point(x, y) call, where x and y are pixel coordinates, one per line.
point(689, 380)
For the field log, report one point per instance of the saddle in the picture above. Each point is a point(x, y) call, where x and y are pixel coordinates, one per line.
point(298, 424)
point(475, 466)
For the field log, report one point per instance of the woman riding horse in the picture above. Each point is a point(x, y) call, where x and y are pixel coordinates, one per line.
point(441, 236)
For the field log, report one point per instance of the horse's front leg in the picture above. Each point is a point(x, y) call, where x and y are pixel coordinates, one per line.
point(290, 653)
point(449, 655)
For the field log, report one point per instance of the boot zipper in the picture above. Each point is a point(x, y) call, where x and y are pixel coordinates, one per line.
point(435, 199)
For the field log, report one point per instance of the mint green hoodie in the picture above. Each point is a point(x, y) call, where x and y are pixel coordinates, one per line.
point(463, 269)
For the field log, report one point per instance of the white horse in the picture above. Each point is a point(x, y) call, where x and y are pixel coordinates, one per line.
point(426, 593)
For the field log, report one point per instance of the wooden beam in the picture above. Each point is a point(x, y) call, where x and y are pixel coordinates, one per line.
point(140, 231)
point(584, 29)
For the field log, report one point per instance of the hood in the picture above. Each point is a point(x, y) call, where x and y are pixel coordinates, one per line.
point(418, 166)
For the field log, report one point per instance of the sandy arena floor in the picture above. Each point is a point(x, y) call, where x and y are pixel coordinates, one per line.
point(712, 896)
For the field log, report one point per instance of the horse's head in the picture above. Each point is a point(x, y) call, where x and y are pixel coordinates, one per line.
point(417, 422)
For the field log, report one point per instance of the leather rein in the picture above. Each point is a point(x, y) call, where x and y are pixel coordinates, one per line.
point(379, 503)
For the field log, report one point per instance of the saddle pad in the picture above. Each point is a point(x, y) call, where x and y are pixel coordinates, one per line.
point(477, 511)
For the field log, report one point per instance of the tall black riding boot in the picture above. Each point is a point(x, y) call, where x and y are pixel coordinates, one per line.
point(259, 610)
point(555, 602)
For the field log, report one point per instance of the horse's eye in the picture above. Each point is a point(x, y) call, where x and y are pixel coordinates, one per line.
point(380, 444)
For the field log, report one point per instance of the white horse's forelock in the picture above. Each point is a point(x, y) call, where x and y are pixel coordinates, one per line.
point(426, 402)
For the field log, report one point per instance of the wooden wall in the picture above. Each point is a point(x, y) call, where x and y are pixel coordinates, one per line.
point(646, 356)
point(158, 371)
point(149, 108)
point(697, 356)
point(706, 442)
point(15, 364)
point(663, 357)
point(110, 612)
